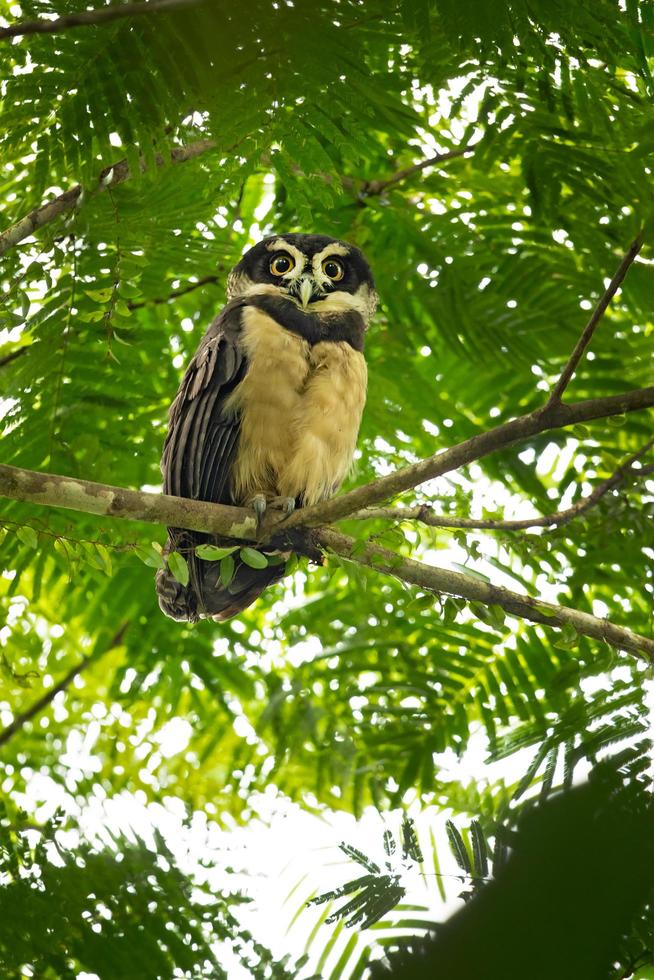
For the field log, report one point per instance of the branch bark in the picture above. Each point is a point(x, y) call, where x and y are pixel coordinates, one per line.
point(88, 18)
point(443, 581)
point(50, 490)
point(42, 703)
point(425, 515)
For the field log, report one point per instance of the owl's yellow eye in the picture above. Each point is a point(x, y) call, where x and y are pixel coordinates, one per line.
point(333, 269)
point(282, 264)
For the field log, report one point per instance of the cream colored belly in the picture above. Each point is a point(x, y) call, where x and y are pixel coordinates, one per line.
point(300, 412)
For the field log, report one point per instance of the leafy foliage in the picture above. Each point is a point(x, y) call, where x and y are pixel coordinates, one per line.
point(341, 688)
point(122, 912)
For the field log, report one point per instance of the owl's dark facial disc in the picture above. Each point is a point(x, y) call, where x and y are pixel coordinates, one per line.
point(317, 273)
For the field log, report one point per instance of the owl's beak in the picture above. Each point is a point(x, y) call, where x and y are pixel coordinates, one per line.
point(307, 290)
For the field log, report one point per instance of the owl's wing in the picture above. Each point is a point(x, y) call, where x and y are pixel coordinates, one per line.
point(202, 434)
point(197, 458)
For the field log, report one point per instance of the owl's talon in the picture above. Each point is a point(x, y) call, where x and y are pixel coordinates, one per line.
point(259, 506)
point(288, 505)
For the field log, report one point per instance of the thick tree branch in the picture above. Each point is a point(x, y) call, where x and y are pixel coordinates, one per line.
point(426, 515)
point(595, 317)
point(197, 515)
point(239, 524)
point(42, 703)
point(500, 437)
point(441, 581)
point(132, 505)
point(87, 18)
point(109, 177)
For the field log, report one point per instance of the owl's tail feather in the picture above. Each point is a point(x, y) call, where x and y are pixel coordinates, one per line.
point(205, 595)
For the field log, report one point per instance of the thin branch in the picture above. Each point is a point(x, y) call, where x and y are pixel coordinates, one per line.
point(86, 18)
point(374, 187)
point(500, 437)
point(206, 280)
point(42, 703)
point(425, 515)
point(109, 177)
point(442, 581)
point(596, 316)
point(8, 358)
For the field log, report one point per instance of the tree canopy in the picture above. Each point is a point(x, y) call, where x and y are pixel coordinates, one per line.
point(493, 161)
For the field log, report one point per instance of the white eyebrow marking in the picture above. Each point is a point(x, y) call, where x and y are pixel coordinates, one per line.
point(279, 245)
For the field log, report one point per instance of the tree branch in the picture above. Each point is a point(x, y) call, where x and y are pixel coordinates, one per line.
point(192, 286)
point(86, 18)
point(8, 358)
point(39, 705)
point(50, 490)
point(500, 437)
point(109, 177)
point(425, 515)
point(239, 524)
point(596, 316)
point(374, 187)
point(442, 581)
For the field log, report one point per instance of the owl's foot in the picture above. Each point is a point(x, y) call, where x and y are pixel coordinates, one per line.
point(259, 505)
point(287, 504)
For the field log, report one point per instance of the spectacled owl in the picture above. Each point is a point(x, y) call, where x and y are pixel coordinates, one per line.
point(269, 408)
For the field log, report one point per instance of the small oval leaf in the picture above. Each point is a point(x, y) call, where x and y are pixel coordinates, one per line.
point(211, 552)
point(28, 536)
point(149, 555)
point(179, 568)
point(227, 566)
point(253, 558)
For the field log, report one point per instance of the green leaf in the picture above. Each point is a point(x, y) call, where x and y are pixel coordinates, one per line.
point(470, 571)
point(211, 552)
point(227, 567)
point(178, 566)
point(100, 295)
point(253, 558)
point(105, 558)
point(27, 535)
point(150, 555)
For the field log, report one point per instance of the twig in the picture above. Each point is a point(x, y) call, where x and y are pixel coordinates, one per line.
point(174, 294)
point(425, 515)
point(499, 437)
point(85, 18)
point(596, 316)
point(8, 358)
point(443, 581)
point(35, 709)
point(109, 177)
point(374, 187)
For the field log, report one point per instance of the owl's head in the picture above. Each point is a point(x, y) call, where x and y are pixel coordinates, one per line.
point(319, 274)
